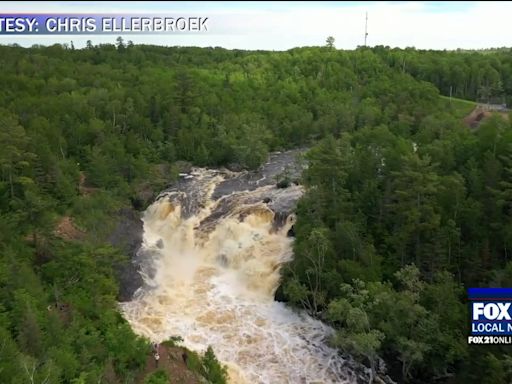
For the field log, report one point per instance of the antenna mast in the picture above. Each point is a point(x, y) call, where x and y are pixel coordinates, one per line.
point(366, 29)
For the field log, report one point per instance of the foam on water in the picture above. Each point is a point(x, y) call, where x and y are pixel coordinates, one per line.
point(216, 288)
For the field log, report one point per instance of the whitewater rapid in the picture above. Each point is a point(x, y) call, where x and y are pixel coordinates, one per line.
point(212, 265)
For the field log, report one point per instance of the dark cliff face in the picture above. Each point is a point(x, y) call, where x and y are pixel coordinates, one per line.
point(128, 237)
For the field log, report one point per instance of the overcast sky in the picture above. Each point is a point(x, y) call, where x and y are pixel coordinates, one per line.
point(284, 25)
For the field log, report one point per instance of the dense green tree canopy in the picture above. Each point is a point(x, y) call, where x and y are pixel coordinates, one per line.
point(405, 206)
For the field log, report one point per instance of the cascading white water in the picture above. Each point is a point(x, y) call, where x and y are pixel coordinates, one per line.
point(212, 281)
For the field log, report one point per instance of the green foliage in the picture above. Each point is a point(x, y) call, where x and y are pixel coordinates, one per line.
point(207, 366)
point(478, 75)
point(393, 179)
point(459, 107)
point(194, 362)
point(157, 377)
point(410, 212)
point(330, 42)
point(283, 183)
point(212, 369)
point(173, 341)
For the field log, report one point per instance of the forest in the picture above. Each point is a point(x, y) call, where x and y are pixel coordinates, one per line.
point(405, 206)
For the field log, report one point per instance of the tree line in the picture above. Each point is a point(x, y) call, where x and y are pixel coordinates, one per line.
point(405, 207)
point(484, 75)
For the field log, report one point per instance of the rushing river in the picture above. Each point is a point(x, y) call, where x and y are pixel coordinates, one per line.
point(212, 251)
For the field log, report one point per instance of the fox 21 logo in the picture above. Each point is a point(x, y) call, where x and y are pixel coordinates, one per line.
point(491, 315)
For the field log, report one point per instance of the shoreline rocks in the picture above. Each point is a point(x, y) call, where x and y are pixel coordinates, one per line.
point(128, 237)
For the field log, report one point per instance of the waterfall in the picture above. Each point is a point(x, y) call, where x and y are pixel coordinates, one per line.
point(212, 252)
